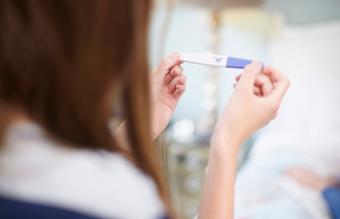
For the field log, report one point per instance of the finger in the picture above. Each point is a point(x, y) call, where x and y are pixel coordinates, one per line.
point(185, 78)
point(172, 85)
point(249, 74)
point(262, 81)
point(169, 62)
point(273, 74)
point(238, 77)
point(176, 71)
point(263, 85)
point(281, 83)
point(168, 78)
point(181, 79)
point(257, 91)
point(179, 91)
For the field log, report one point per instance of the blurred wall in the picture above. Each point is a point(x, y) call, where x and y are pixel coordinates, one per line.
point(305, 11)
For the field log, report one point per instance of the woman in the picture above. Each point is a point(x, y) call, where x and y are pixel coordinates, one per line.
point(63, 65)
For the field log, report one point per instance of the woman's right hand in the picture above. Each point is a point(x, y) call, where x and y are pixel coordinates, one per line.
point(246, 110)
point(253, 104)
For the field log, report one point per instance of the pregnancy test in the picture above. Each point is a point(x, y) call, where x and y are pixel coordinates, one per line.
point(214, 60)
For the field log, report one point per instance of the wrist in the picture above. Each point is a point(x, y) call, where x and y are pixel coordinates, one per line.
point(223, 152)
point(225, 144)
point(225, 136)
point(161, 115)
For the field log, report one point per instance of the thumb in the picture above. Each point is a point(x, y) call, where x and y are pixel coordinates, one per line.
point(168, 63)
point(249, 74)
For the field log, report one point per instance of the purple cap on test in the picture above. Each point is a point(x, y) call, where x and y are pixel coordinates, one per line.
point(237, 62)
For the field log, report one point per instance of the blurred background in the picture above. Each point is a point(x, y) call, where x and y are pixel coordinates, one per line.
point(282, 166)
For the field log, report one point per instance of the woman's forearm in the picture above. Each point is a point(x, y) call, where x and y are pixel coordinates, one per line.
point(121, 135)
point(218, 191)
point(161, 115)
point(246, 111)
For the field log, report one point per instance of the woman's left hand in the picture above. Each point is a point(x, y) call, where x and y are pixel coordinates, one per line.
point(167, 86)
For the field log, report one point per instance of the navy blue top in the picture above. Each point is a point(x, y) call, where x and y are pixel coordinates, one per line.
point(15, 209)
point(332, 197)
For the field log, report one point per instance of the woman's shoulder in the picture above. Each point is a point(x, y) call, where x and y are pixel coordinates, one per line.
point(96, 182)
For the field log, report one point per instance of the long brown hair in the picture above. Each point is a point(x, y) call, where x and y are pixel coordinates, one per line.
point(59, 59)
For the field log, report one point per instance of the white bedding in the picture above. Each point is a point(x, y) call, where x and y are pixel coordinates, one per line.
point(306, 132)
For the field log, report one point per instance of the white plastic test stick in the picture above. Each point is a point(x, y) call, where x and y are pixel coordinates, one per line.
point(214, 60)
